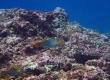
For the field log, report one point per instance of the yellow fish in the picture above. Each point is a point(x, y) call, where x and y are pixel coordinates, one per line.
point(50, 42)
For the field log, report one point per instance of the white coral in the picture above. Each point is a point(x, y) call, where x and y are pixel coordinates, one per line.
point(11, 39)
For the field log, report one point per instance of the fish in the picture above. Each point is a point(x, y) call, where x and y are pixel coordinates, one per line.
point(50, 42)
point(12, 73)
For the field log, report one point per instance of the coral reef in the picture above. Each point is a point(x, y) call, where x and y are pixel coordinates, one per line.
point(84, 56)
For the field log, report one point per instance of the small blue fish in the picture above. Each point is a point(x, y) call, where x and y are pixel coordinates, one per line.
point(11, 73)
point(50, 42)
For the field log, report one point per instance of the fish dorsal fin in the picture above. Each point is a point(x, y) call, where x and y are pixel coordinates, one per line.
point(47, 38)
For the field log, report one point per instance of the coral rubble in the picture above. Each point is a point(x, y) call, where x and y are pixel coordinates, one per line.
point(84, 56)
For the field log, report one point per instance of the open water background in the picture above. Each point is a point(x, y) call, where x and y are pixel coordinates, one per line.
point(93, 14)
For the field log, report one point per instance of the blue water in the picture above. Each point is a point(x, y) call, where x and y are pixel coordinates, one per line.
point(93, 14)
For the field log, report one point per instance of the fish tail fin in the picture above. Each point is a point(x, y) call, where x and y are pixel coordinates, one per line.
point(37, 44)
